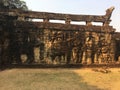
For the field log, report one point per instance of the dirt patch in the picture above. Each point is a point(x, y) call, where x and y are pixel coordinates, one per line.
point(105, 81)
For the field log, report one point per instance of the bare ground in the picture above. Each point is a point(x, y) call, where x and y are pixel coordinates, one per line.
point(104, 81)
point(59, 79)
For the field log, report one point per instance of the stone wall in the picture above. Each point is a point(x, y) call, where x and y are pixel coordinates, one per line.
point(25, 41)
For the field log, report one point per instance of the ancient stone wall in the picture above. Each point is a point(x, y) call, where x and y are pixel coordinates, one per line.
point(26, 41)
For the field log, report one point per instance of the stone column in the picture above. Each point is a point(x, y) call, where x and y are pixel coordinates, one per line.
point(95, 44)
point(89, 56)
point(96, 58)
point(84, 58)
point(46, 42)
point(112, 51)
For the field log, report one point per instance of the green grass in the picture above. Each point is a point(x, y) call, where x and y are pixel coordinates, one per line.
point(42, 79)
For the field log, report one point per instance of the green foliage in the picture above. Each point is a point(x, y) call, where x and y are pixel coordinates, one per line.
point(13, 4)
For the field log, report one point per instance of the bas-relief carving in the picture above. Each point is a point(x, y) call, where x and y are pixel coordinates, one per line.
point(53, 44)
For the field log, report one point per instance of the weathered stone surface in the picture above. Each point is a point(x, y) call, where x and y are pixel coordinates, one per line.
point(57, 43)
point(58, 16)
point(62, 27)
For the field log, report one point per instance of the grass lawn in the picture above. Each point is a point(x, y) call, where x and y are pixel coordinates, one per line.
point(59, 79)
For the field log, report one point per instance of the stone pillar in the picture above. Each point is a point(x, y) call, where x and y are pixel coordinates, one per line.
point(111, 47)
point(45, 20)
point(112, 51)
point(84, 58)
point(96, 58)
point(118, 60)
point(46, 43)
point(37, 54)
point(100, 59)
point(67, 21)
point(89, 47)
point(44, 48)
point(89, 56)
point(96, 51)
point(88, 23)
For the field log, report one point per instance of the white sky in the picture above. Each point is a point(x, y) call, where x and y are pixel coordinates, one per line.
point(87, 7)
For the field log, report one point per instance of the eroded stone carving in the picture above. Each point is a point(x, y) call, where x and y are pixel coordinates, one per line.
point(55, 43)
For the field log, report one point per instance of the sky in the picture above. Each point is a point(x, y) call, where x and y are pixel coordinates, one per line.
point(86, 7)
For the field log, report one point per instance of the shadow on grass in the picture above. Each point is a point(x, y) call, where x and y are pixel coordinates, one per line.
point(45, 79)
point(67, 81)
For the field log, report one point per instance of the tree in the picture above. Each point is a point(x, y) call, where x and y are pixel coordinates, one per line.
point(13, 4)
